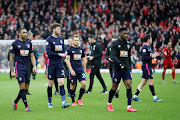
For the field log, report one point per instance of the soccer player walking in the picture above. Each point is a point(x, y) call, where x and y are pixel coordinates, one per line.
point(21, 51)
point(120, 54)
point(107, 56)
point(168, 62)
point(95, 58)
point(55, 67)
point(75, 61)
point(147, 75)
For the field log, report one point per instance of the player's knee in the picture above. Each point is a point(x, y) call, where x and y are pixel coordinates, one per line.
point(61, 83)
point(151, 82)
point(173, 69)
point(72, 86)
point(83, 85)
point(128, 86)
point(50, 83)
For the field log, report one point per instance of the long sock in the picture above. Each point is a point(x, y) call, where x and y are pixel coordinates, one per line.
point(91, 82)
point(151, 87)
point(81, 92)
point(72, 95)
point(173, 75)
point(68, 84)
point(62, 93)
point(129, 96)
point(98, 74)
point(163, 75)
point(23, 96)
point(18, 98)
point(111, 94)
point(49, 92)
point(56, 85)
point(137, 92)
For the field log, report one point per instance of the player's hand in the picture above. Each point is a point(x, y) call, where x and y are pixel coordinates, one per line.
point(67, 57)
point(91, 58)
point(62, 55)
point(34, 69)
point(110, 60)
point(155, 55)
point(73, 73)
point(13, 74)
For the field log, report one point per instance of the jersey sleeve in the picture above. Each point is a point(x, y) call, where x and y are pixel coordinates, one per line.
point(48, 48)
point(145, 54)
point(13, 48)
point(31, 48)
point(68, 51)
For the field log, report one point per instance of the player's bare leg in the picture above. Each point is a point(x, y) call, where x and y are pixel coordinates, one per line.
point(128, 84)
point(163, 76)
point(62, 92)
point(49, 92)
point(81, 92)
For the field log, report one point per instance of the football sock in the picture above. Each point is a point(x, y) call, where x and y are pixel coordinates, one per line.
point(137, 92)
point(56, 84)
point(173, 75)
point(91, 82)
point(18, 98)
point(62, 93)
point(72, 92)
point(101, 80)
point(129, 96)
point(49, 92)
point(111, 94)
point(151, 87)
point(163, 75)
point(23, 96)
point(154, 97)
point(81, 92)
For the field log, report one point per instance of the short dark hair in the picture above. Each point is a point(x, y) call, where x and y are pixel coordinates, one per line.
point(55, 25)
point(146, 37)
point(91, 36)
point(122, 29)
point(19, 30)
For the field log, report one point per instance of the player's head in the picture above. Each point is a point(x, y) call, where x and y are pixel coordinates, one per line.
point(169, 45)
point(56, 28)
point(30, 35)
point(22, 33)
point(123, 33)
point(70, 41)
point(91, 39)
point(147, 39)
point(75, 40)
point(114, 37)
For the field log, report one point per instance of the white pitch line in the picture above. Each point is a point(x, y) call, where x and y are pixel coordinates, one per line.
point(42, 85)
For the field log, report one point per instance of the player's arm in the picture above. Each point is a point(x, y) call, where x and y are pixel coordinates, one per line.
point(107, 53)
point(114, 57)
point(12, 64)
point(129, 55)
point(84, 64)
point(67, 60)
point(33, 61)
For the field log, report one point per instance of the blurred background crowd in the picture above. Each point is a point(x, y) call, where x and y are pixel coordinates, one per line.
point(102, 18)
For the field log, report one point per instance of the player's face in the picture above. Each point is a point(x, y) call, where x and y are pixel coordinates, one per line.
point(76, 41)
point(57, 31)
point(169, 45)
point(90, 40)
point(124, 35)
point(30, 37)
point(23, 34)
point(70, 42)
point(150, 40)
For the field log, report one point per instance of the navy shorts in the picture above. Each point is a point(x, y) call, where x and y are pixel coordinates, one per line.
point(80, 75)
point(147, 72)
point(55, 71)
point(124, 74)
point(22, 75)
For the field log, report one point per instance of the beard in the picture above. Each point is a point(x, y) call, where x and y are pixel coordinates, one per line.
point(57, 33)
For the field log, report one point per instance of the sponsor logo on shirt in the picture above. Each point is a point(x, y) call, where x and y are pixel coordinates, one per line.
point(24, 52)
point(123, 53)
point(77, 56)
point(58, 47)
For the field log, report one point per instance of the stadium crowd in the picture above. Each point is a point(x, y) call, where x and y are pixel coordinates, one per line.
point(102, 18)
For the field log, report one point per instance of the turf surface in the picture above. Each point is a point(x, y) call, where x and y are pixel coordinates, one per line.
point(95, 104)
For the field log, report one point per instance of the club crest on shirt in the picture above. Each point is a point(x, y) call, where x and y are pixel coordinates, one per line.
point(72, 51)
point(61, 41)
point(128, 46)
point(19, 46)
point(144, 50)
point(28, 46)
point(53, 42)
point(119, 46)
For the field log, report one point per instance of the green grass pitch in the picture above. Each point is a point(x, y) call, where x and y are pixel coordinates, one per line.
point(95, 104)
